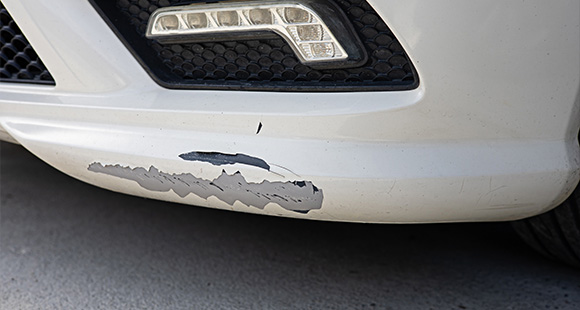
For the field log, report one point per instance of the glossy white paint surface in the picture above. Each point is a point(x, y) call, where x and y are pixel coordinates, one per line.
point(490, 134)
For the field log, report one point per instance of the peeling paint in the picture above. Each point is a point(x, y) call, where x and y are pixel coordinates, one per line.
point(219, 159)
point(297, 196)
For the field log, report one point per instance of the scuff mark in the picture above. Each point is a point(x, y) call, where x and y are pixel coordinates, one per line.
point(259, 128)
point(488, 194)
point(508, 207)
point(392, 186)
point(219, 159)
point(297, 196)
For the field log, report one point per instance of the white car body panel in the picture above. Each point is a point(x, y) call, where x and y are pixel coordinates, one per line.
point(490, 134)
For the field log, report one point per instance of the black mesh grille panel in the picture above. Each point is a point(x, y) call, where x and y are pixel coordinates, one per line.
point(265, 64)
point(18, 60)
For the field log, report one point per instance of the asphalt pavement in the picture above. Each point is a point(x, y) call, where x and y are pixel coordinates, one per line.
point(68, 245)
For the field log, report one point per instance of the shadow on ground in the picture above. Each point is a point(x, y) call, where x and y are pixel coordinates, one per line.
point(68, 245)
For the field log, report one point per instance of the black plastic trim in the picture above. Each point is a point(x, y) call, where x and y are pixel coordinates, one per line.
point(19, 62)
point(123, 29)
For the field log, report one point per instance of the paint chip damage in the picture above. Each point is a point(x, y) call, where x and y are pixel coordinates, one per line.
point(297, 196)
point(219, 159)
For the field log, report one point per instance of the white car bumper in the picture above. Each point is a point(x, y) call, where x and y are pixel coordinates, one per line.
point(489, 134)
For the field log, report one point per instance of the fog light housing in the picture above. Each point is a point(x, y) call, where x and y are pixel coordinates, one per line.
point(318, 32)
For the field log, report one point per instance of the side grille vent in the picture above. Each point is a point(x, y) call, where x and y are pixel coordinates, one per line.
point(18, 60)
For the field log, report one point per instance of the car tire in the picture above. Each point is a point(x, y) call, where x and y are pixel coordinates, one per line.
point(555, 234)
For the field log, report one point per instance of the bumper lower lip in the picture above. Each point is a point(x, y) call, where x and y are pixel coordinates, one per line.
point(367, 182)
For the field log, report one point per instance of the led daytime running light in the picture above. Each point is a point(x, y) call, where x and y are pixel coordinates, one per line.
point(297, 23)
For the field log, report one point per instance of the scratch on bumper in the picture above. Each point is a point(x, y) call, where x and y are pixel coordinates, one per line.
point(219, 159)
point(297, 196)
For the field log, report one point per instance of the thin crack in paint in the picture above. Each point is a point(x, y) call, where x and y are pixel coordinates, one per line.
point(298, 196)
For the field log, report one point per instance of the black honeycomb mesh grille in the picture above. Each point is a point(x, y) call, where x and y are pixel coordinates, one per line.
point(18, 60)
point(266, 64)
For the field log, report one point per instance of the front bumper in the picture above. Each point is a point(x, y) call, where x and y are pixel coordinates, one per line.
point(490, 133)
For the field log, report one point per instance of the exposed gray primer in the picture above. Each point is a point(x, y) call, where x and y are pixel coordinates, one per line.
point(219, 159)
point(297, 196)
